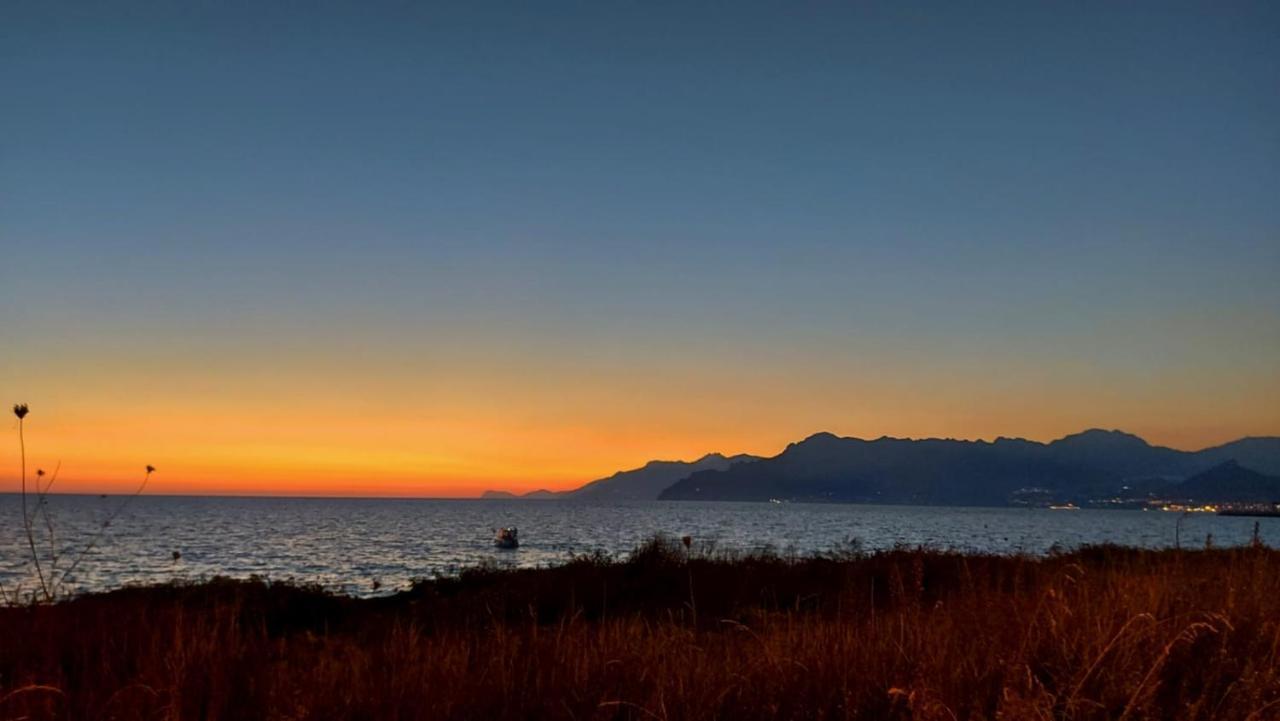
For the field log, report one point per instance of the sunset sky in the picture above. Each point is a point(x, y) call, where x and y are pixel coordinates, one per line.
point(424, 251)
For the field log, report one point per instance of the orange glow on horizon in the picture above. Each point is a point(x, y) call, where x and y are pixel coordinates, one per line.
point(518, 427)
point(315, 456)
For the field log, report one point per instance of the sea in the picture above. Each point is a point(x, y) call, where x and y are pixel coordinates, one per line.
point(378, 546)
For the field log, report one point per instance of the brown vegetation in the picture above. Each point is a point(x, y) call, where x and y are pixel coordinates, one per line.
point(1103, 633)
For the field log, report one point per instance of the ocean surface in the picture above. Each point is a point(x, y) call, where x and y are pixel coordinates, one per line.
point(369, 546)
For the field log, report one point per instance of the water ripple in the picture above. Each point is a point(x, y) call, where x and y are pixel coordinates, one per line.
point(349, 544)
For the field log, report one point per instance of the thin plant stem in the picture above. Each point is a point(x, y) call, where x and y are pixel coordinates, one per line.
point(93, 542)
point(26, 518)
point(42, 504)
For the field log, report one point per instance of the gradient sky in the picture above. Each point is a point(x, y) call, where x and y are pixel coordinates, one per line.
point(380, 248)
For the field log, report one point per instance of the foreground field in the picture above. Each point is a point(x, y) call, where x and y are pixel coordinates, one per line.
point(1104, 633)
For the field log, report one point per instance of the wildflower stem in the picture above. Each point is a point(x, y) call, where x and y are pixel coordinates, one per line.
point(66, 575)
point(26, 517)
point(42, 501)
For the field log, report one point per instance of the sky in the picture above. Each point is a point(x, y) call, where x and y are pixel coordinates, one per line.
point(420, 249)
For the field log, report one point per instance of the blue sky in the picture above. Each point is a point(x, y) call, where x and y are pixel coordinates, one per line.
point(915, 194)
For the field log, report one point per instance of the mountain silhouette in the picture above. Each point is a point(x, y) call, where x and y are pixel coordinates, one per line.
point(1261, 454)
point(1230, 480)
point(1092, 464)
point(1122, 454)
point(637, 484)
point(648, 481)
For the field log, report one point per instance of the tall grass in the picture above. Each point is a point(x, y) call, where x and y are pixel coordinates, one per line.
point(1102, 633)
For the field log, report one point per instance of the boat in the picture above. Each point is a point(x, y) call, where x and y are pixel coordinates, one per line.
point(506, 538)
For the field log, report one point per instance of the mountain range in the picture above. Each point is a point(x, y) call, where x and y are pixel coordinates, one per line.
point(1088, 466)
point(1091, 465)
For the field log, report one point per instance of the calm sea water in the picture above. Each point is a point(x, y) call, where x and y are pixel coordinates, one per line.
point(348, 544)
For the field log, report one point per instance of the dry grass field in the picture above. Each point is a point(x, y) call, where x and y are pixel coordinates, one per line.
point(1102, 633)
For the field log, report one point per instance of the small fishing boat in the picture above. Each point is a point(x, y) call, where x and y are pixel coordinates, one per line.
point(506, 538)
